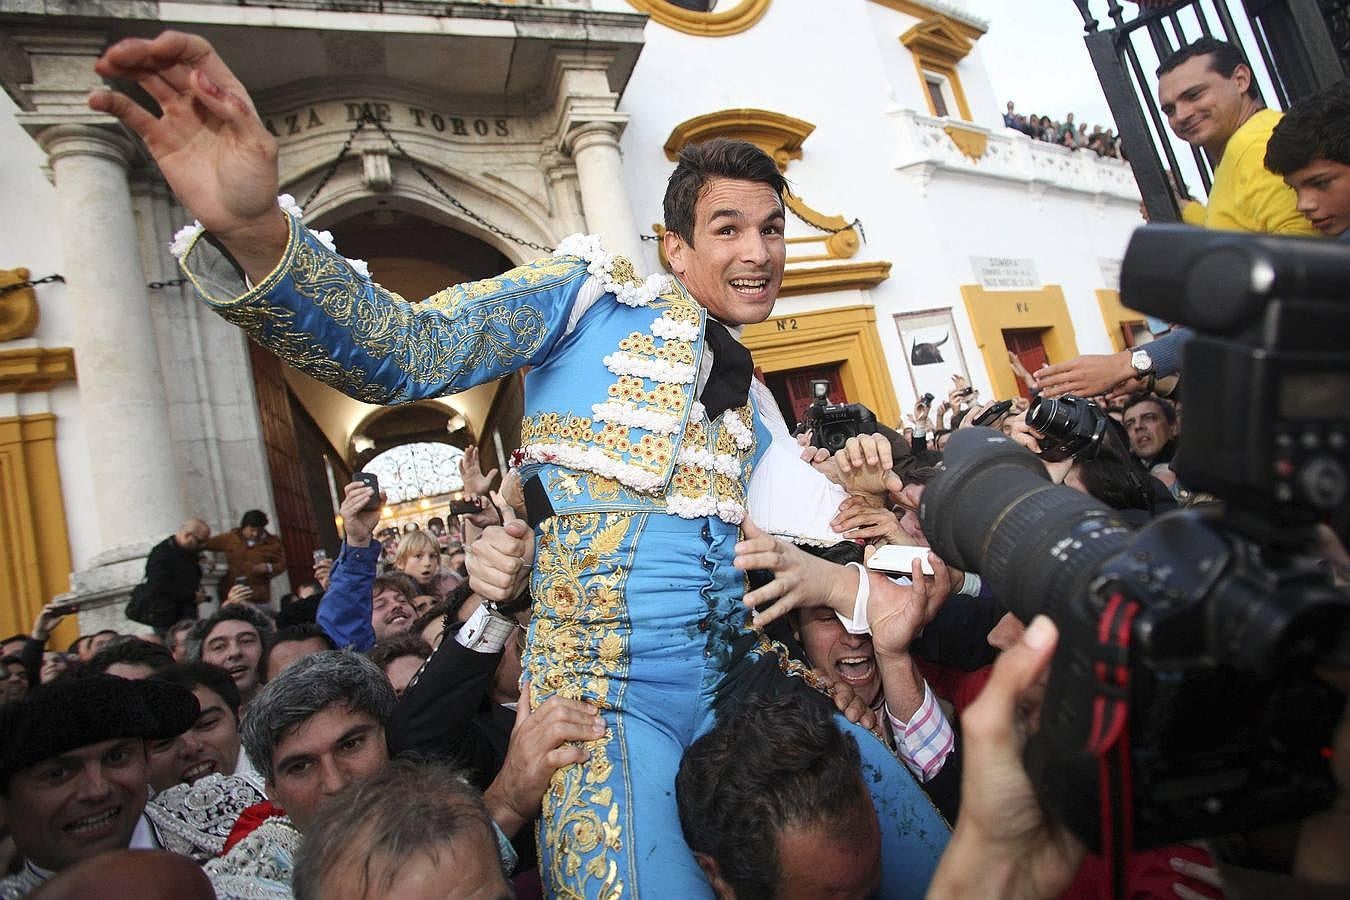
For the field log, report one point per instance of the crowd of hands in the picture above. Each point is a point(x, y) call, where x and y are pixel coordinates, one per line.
point(1005, 843)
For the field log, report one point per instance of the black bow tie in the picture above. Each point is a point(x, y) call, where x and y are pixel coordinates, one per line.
point(729, 383)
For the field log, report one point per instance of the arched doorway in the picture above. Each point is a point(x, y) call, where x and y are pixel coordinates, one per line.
point(420, 481)
point(309, 434)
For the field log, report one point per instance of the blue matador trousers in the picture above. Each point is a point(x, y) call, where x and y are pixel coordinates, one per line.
point(641, 615)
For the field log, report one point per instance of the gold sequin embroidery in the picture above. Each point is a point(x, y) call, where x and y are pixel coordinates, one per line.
point(578, 646)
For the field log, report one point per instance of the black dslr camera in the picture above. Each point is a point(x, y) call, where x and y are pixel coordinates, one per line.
point(1072, 426)
point(1182, 701)
point(832, 424)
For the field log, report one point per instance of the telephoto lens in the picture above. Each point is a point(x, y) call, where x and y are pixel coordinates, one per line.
point(992, 509)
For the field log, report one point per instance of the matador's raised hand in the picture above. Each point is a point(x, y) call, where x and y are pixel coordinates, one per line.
point(208, 140)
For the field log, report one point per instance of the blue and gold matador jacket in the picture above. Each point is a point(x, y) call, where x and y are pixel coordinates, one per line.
point(611, 420)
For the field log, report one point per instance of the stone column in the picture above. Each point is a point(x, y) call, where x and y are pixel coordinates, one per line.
point(122, 397)
point(595, 148)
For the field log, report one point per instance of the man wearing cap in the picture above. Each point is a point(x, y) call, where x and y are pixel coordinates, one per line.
point(252, 554)
point(74, 769)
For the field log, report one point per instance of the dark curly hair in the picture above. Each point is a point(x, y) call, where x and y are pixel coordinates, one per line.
point(700, 163)
point(767, 765)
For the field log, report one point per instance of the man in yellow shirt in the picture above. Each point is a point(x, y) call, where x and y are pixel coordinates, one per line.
point(1209, 95)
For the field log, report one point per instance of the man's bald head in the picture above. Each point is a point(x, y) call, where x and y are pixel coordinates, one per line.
point(192, 534)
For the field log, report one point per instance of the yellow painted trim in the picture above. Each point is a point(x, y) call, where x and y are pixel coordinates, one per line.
point(18, 309)
point(926, 64)
point(939, 38)
point(991, 312)
point(781, 137)
point(938, 44)
point(778, 135)
point(1115, 315)
point(924, 11)
point(839, 277)
point(842, 244)
point(703, 24)
point(846, 336)
point(35, 369)
point(969, 141)
point(33, 541)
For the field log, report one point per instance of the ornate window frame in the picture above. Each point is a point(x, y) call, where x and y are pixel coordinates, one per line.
point(704, 24)
point(938, 44)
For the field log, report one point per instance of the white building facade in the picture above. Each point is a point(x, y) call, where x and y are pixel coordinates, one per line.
point(925, 239)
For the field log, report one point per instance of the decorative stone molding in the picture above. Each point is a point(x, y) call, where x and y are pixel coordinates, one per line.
point(33, 369)
point(778, 135)
point(60, 141)
point(376, 173)
point(923, 143)
point(938, 38)
point(970, 26)
point(969, 140)
point(704, 24)
point(837, 277)
point(591, 134)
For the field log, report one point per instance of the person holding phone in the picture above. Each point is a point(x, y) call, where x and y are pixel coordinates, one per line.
point(253, 554)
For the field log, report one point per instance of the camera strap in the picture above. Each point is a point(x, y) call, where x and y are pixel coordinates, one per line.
point(1109, 739)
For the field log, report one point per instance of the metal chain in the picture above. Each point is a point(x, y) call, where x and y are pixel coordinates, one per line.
point(20, 285)
point(52, 279)
point(856, 223)
point(342, 154)
point(367, 119)
point(500, 232)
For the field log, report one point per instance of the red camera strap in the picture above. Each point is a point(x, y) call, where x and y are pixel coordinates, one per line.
point(1109, 739)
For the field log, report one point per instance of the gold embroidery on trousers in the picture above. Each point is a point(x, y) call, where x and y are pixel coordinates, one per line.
point(578, 645)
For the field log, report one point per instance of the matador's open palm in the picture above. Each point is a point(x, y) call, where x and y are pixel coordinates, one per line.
point(208, 141)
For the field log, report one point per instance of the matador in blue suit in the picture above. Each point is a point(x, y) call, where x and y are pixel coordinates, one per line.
point(639, 437)
point(636, 471)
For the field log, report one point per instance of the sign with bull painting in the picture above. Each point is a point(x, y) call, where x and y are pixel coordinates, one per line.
point(932, 352)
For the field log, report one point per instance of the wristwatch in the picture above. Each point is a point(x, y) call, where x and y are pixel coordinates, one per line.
point(1142, 363)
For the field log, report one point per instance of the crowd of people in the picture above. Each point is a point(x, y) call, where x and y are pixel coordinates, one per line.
point(654, 665)
point(1102, 141)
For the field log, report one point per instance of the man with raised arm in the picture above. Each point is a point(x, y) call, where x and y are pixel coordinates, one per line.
point(641, 429)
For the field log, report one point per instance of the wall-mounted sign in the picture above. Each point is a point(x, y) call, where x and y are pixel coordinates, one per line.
point(1005, 273)
point(342, 115)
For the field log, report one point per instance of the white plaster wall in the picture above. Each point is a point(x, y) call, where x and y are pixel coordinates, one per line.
point(847, 73)
point(29, 239)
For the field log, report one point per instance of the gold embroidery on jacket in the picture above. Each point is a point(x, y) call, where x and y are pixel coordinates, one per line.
point(274, 329)
point(462, 329)
point(484, 326)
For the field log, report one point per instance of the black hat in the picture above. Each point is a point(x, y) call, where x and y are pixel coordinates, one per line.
point(255, 518)
point(75, 712)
